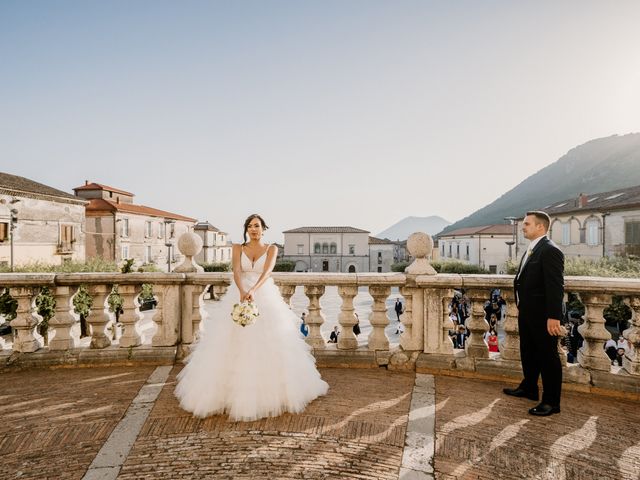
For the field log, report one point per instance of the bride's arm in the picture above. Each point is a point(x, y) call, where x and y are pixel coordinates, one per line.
point(236, 252)
point(272, 253)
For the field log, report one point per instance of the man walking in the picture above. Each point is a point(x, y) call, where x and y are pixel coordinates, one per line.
point(539, 291)
point(398, 308)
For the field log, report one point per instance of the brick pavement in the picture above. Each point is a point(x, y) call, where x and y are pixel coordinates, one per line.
point(55, 421)
point(483, 434)
point(356, 431)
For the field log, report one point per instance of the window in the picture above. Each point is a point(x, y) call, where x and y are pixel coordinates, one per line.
point(160, 230)
point(450, 250)
point(172, 230)
point(379, 269)
point(125, 228)
point(443, 249)
point(632, 233)
point(316, 247)
point(4, 231)
point(458, 250)
point(300, 249)
point(493, 269)
point(592, 232)
point(148, 229)
point(147, 254)
point(124, 251)
point(566, 233)
point(333, 248)
point(352, 249)
point(466, 255)
point(325, 248)
point(66, 237)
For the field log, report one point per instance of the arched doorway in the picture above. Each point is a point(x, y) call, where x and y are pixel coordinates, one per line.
point(301, 266)
point(352, 269)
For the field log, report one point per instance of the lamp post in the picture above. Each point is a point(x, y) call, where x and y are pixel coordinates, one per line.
point(12, 226)
point(167, 243)
point(604, 225)
point(513, 221)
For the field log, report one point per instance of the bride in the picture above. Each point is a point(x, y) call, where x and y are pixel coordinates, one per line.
point(257, 371)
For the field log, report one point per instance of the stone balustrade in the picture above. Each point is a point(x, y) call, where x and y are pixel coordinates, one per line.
point(425, 345)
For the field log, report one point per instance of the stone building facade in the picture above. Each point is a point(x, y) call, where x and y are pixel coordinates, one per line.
point(46, 223)
point(216, 248)
point(485, 246)
point(118, 229)
point(596, 225)
point(336, 249)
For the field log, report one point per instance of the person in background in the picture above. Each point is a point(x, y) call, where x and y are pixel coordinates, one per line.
point(304, 328)
point(356, 327)
point(333, 338)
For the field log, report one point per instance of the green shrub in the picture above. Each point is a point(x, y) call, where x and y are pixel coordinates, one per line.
point(284, 266)
point(457, 267)
point(216, 267)
point(91, 265)
point(621, 267)
point(8, 305)
point(399, 267)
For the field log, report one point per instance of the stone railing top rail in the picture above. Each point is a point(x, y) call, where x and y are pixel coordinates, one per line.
point(629, 286)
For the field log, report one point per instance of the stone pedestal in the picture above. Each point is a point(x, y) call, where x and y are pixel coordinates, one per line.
point(62, 321)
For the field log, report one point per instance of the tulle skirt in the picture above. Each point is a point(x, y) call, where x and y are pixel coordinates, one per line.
point(261, 370)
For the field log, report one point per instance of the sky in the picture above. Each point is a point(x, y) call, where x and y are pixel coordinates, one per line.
point(349, 112)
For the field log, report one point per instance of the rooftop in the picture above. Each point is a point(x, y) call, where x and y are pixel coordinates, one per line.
point(497, 229)
point(326, 230)
point(612, 200)
point(16, 185)
point(99, 186)
point(98, 205)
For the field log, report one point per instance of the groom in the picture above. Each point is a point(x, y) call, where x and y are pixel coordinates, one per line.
point(539, 290)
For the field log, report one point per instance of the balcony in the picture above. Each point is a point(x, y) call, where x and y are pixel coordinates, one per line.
point(368, 424)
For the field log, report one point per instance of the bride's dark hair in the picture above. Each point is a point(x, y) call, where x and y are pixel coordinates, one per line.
point(248, 221)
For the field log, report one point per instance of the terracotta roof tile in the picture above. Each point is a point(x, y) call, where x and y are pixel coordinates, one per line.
point(98, 205)
point(99, 186)
point(497, 229)
point(611, 200)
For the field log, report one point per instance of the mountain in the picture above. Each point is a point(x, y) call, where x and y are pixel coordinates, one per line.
point(597, 166)
point(409, 225)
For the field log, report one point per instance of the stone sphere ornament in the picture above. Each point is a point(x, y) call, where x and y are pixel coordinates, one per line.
point(420, 246)
point(189, 245)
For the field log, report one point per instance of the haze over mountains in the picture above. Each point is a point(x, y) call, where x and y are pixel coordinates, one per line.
point(597, 166)
point(409, 225)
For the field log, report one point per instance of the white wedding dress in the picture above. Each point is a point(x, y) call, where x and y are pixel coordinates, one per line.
point(251, 372)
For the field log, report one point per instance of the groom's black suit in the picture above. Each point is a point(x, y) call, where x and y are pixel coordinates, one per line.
point(539, 289)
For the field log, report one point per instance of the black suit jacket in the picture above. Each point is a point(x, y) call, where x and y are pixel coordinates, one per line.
point(539, 286)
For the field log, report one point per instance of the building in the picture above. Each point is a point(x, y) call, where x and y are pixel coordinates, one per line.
point(46, 223)
point(216, 247)
point(337, 249)
point(117, 229)
point(381, 254)
point(596, 225)
point(488, 246)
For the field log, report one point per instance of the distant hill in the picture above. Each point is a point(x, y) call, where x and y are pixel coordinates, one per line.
point(409, 225)
point(597, 166)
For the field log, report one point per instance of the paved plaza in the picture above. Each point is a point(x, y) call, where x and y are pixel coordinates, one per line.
point(124, 422)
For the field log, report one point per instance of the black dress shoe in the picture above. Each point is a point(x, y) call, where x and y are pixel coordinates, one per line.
point(518, 392)
point(544, 410)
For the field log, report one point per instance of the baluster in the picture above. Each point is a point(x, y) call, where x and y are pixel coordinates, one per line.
point(592, 355)
point(220, 290)
point(315, 319)
point(631, 361)
point(287, 292)
point(197, 305)
point(510, 347)
point(163, 332)
point(378, 339)
point(25, 320)
point(446, 345)
point(98, 317)
point(130, 315)
point(347, 340)
point(407, 342)
point(62, 320)
point(476, 347)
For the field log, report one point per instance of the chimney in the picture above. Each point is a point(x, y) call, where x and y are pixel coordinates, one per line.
point(86, 182)
point(582, 200)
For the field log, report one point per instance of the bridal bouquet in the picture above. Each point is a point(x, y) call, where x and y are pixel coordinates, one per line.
point(244, 313)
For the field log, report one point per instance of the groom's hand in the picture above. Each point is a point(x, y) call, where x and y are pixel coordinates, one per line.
point(554, 328)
